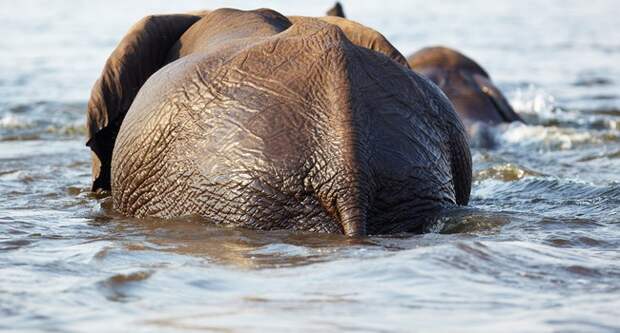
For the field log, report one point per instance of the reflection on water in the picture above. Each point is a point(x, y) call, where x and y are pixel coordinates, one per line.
point(537, 250)
point(240, 248)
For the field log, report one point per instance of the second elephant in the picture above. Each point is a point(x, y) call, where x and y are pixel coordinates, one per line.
point(476, 99)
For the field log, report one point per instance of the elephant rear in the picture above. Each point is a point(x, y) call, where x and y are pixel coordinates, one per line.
point(297, 129)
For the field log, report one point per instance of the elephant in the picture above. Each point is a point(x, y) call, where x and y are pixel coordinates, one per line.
point(257, 120)
point(476, 99)
point(337, 10)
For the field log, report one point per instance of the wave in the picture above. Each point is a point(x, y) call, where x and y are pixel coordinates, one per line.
point(505, 172)
point(550, 196)
point(41, 121)
point(532, 100)
point(553, 137)
point(539, 107)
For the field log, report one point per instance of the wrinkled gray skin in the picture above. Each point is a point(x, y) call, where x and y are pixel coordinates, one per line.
point(257, 120)
point(478, 102)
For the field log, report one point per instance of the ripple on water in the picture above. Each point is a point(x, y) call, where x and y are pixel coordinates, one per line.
point(467, 220)
point(571, 240)
point(593, 81)
point(42, 121)
point(509, 263)
point(536, 251)
point(13, 244)
point(553, 138)
point(552, 197)
point(506, 172)
point(119, 287)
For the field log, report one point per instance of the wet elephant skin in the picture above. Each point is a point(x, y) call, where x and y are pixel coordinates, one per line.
point(253, 119)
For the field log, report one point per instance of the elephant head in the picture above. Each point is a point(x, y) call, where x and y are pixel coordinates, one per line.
point(468, 86)
point(253, 119)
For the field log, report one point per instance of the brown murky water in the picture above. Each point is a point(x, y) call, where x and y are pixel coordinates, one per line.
point(537, 251)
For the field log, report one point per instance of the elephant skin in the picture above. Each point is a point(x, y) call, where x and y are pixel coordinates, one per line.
point(253, 119)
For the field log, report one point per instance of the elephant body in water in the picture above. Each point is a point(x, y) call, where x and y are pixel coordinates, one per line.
point(254, 119)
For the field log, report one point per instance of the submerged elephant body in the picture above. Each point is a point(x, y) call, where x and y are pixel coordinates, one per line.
point(258, 120)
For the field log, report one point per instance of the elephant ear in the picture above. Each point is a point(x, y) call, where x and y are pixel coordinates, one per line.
point(140, 53)
point(505, 111)
point(336, 11)
point(364, 36)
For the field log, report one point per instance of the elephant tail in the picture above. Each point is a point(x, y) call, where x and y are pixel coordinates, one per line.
point(349, 214)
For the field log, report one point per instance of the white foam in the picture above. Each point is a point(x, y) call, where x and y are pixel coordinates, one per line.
point(10, 120)
point(547, 138)
point(533, 100)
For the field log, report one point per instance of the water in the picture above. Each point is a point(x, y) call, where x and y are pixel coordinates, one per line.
point(537, 252)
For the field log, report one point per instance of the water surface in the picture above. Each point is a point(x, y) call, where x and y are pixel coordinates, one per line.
point(537, 251)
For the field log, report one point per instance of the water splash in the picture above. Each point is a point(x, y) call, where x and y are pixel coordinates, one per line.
point(533, 100)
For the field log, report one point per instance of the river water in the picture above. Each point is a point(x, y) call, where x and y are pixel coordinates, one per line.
point(538, 251)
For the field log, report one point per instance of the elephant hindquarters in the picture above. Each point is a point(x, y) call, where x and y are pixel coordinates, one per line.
point(312, 133)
